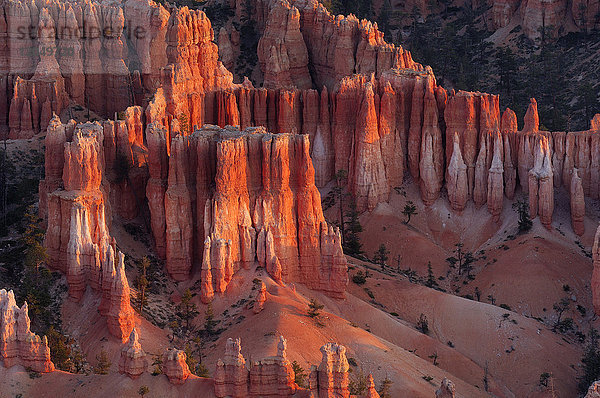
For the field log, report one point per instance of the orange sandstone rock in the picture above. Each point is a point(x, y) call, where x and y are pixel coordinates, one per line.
point(457, 184)
point(231, 375)
point(18, 345)
point(595, 283)
point(541, 190)
point(332, 373)
point(175, 367)
point(133, 360)
point(261, 298)
point(495, 191)
point(577, 204)
point(446, 390)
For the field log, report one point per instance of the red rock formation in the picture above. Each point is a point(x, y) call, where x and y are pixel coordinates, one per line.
point(370, 185)
point(577, 204)
point(282, 53)
point(337, 46)
point(175, 367)
point(178, 214)
point(495, 188)
point(254, 195)
point(537, 14)
point(77, 238)
point(120, 319)
point(133, 360)
point(231, 375)
point(194, 72)
point(156, 187)
point(509, 129)
point(446, 390)
point(18, 345)
point(460, 116)
point(541, 183)
point(595, 283)
point(226, 52)
point(431, 164)
point(261, 297)
point(56, 137)
point(457, 180)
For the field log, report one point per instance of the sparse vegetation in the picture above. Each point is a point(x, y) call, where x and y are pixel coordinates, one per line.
point(358, 383)
point(103, 363)
point(591, 363)
point(430, 281)
point(142, 282)
point(423, 324)
point(522, 210)
point(409, 210)
point(299, 375)
point(463, 260)
point(143, 390)
point(385, 388)
point(544, 377)
point(209, 320)
point(352, 245)
point(562, 325)
point(314, 308)
point(62, 353)
point(381, 256)
point(434, 357)
point(360, 278)
point(187, 310)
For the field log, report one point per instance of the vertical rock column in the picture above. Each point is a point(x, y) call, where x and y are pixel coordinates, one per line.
point(577, 204)
point(595, 284)
point(231, 375)
point(541, 183)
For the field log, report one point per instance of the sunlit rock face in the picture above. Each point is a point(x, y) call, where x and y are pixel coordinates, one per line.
point(245, 197)
point(18, 345)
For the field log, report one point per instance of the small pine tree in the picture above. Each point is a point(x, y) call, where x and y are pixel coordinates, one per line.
point(157, 363)
point(103, 364)
point(381, 256)
point(560, 308)
point(358, 383)
point(431, 281)
point(190, 359)
point(522, 210)
point(209, 320)
point(187, 309)
point(35, 252)
point(299, 375)
point(409, 210)
point(385, 389)
point(352, 245)
point(202, 370)
point(314, 308)
point(143, 390)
